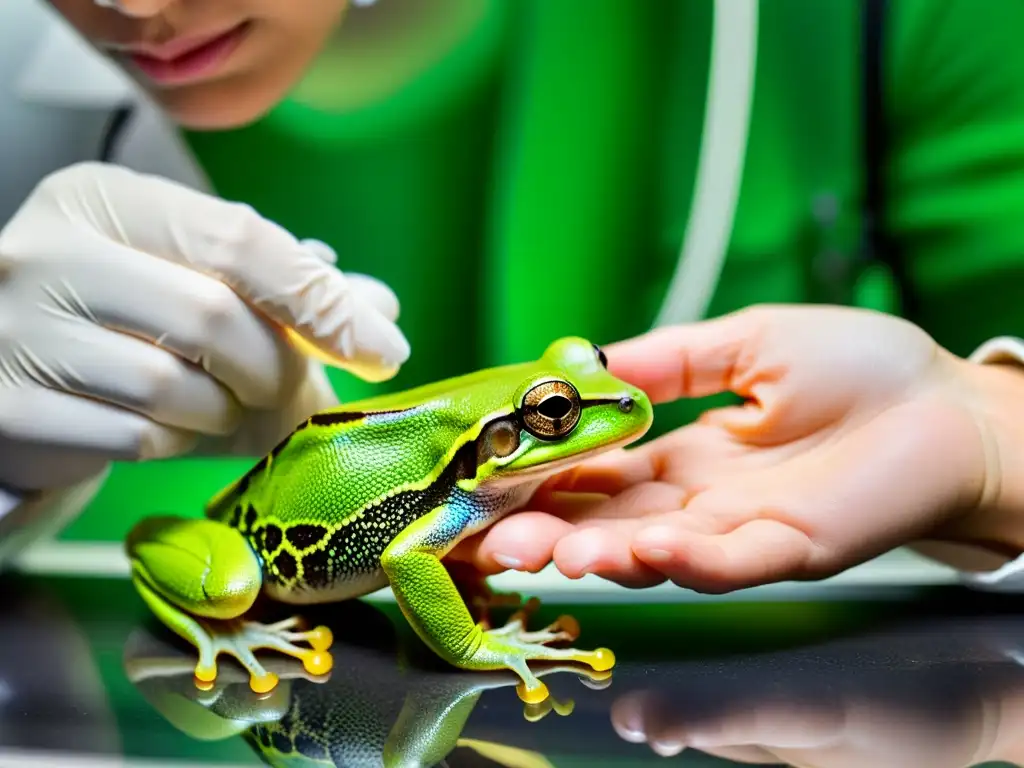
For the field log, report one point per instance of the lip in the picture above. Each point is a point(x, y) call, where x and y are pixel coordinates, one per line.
point(186, 59)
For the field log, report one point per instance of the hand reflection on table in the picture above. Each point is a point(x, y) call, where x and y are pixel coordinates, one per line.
point(943, 695)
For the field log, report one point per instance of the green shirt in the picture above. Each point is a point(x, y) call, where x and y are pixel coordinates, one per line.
point(534, 179)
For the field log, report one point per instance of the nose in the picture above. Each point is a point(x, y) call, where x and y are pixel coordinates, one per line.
point(140, 9)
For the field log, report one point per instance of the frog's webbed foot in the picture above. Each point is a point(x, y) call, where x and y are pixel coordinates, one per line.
point(562, 629)
point(519, 645)
point(240, 638)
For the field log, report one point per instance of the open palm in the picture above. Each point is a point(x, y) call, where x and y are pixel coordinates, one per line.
point(856, 437)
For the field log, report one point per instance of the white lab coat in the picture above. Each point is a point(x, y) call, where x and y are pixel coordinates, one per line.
point(57, 96)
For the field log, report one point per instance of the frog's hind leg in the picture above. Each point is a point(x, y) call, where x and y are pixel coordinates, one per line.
point(200, 578)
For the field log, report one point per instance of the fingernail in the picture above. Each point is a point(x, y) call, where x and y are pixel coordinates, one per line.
point(660, 555)
point(632, 728)
point(667, 747)
point(649, 540)
point(506, 561)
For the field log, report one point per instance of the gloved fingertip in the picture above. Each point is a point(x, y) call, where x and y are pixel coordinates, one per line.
point(320, 249)
point(398, 348)
point(376, 293)
point(160, 442)
point(378, 336)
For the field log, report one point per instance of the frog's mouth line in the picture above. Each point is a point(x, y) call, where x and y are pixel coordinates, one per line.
point(544, 471)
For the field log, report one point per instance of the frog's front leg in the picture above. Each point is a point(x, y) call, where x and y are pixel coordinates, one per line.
point(428, 597)
point(200, 578)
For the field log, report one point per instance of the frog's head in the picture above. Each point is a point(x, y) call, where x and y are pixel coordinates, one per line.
point(565, 407)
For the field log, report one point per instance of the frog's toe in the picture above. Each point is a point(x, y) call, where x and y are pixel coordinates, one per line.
point(517, 622)
point(562, 629)
point(537, 711)
point(241, 638)
point(279, 637)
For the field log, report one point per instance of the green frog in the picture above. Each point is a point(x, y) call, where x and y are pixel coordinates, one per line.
point(375, 493)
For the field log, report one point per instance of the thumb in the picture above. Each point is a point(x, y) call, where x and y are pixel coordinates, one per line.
point(694, 360)
point(290, 283)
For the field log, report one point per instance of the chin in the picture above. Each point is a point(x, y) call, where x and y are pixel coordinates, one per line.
point(218, 107)
point(219, 116)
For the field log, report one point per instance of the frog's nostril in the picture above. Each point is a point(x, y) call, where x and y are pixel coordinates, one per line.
point(626, 404)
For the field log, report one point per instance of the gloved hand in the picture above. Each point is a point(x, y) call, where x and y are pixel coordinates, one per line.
point(140, 319)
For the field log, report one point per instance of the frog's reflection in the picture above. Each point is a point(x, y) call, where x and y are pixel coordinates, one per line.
point(387, 701)
point(929, 692)
point(939, 694)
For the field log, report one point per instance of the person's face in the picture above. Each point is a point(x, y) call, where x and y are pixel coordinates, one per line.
point(210, 65)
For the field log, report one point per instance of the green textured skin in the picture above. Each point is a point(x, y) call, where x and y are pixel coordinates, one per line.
point(376, 492)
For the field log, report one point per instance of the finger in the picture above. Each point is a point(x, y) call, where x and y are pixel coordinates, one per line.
point(599, 542)
point(131, 373)
point(604, 553)
point(260, 260)
point(646, 717)
point(377, 294)
point(45, 434)
point(628, 715)
point(608, 473)
point(636, 503)
point(757, 552)
point(521, 542)
point(374, 291)
point(745, 754)
point(771, 724)
point(42, 467)
point(526, 540)
point(688, 457)
point(694, 360)
point(197, 317)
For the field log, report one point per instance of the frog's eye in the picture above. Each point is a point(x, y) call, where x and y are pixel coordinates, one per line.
point(551, 410)
point(499, 440)
point(601, 355)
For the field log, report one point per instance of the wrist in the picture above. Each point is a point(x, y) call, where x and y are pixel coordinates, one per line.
point(990, 532)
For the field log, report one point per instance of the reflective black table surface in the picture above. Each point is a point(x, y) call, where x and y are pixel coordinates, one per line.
point(935, 680)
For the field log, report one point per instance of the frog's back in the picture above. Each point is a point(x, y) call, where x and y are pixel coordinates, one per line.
point(321, 507)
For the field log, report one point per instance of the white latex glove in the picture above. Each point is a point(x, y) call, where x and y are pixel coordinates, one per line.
point(140, 319)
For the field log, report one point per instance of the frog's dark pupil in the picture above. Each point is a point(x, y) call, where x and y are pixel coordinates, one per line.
point(555, 407)
point(601, 356)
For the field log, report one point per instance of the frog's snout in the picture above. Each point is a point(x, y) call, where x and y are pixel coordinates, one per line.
point(636, 405)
